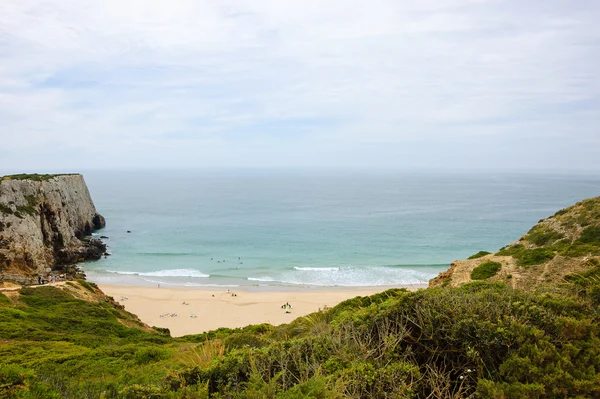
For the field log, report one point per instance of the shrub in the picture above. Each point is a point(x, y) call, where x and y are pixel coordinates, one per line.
point(528, 257)
point(479, 254)
point(137, 391)
point(577, 249)
point(542, 235)
point(149, 355)
point(485, 270)
point(12, 379)
point(590, 235)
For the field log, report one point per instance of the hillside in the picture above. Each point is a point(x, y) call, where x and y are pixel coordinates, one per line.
point(44, 221)
point(567, 242)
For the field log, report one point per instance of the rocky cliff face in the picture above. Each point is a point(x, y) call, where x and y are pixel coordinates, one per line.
point(44, 221)
point(557, 248)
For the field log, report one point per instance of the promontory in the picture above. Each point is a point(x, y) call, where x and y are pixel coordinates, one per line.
point(45, 225)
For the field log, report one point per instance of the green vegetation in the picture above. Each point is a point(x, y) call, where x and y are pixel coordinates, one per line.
point(526, 256)
point(29, 209)
point(581, 220)
point(482, 339)
point(479, 254)
point(34, 176)
point(590, 235)
point(61, 346)
point(542, 235)
point(5, 209)
point(91, 287)
point(485, 270)
point(4, 300)
point(588, 243)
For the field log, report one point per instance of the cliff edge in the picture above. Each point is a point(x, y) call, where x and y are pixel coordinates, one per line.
point(556, 248)
point(45, 221)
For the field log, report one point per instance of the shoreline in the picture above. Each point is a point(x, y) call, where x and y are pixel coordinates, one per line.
point(201, 309)
point(241, 283)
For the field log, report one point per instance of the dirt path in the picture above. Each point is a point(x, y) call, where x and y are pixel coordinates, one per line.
point(18, 287)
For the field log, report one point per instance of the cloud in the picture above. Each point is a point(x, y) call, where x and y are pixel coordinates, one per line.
point(258, 83)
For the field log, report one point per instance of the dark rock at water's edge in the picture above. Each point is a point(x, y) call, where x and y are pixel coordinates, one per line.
point(91, 249)
point(99, 221)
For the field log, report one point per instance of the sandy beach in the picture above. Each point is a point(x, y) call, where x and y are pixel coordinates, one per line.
point(188, 311)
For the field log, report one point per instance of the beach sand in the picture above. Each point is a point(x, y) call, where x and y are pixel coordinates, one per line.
point(219, 308)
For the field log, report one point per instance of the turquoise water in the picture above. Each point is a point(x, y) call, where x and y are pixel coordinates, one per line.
point(258, 228)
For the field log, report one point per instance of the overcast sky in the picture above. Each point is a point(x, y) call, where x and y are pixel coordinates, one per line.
point(412, 85)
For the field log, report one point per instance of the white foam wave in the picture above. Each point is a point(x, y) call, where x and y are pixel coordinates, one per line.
point(349, 277)
point(192, 284)
point(165, 273)
point(318, 269)
point(267, 279)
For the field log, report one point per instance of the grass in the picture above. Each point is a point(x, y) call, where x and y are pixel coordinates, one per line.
point(91, 287)
point(70, 346)
point(485, 270)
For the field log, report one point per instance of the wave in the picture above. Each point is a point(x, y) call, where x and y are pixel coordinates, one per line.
point(165, 273)
point(348, 277)
point(193, 284)
point(262, 279)
point(318, 269)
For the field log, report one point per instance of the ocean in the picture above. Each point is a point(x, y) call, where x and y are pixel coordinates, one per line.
point(296, 229)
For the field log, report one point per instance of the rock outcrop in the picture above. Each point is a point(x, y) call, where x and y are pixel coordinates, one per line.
point(45, 224)
point(559, 246)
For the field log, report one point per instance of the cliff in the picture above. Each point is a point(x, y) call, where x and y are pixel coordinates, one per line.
point(557, 247)
point(44, 224)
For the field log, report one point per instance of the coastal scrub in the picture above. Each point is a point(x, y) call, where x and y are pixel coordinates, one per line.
point(485, 270)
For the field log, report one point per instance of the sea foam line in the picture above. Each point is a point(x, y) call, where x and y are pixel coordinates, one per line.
point(318, 269)
point(165, 273)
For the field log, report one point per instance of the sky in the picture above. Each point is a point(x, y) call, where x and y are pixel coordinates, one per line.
point(381, 84)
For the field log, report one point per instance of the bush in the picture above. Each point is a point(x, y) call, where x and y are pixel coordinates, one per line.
point(485, 270)
point(479, 255)
point(590, 235)
point(149, 355)
point(12, 379)
point(542, 235)
point(528, 257)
